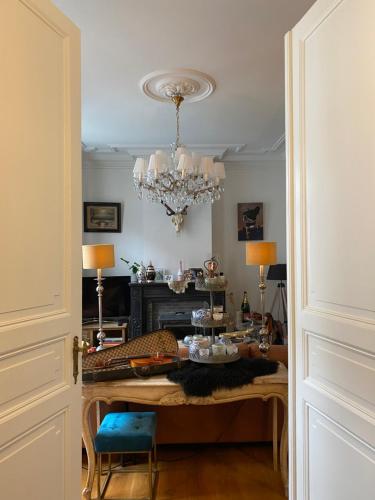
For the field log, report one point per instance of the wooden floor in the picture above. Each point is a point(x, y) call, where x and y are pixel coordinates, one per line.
point(205, 472)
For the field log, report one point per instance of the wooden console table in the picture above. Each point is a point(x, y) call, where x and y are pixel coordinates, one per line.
point(159, 391)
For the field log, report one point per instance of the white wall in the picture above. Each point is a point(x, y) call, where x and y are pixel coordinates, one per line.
point(147, 232)
point(260, 181)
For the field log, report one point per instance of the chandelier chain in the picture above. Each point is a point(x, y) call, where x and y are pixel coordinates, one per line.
point(177, 126)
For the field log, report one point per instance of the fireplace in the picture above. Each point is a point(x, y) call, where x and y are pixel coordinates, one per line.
point(154, 306)
point(174, 316)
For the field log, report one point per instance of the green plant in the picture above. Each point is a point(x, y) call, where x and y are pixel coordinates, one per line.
point(132, 267)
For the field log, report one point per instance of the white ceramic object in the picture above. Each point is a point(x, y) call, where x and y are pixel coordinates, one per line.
point(218, 350)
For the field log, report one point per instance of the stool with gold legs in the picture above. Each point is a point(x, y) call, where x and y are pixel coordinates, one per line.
point(127, 433)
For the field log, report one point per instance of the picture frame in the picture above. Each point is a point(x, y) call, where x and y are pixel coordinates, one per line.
point(159, 274)
point(195, 272)
point(101, 217)
point(250, 221)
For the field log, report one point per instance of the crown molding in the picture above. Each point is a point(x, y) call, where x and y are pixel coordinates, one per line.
point(280, 142)
point(110, 159)
point(275, 151)
point(124, 155)
point(107, 162)
point(218, 151)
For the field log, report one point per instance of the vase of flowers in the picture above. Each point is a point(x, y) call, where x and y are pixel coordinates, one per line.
point(133, 268)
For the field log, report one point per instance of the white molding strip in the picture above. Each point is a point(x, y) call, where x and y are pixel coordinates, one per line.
point(110, 161)
point(125, 154)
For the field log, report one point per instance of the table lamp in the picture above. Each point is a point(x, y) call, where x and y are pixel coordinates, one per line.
point(98, 257)
point(262, 253)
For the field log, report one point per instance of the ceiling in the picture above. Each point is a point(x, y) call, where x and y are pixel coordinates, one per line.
point(237, 42)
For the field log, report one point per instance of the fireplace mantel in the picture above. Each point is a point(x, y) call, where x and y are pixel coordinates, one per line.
point(146, 298)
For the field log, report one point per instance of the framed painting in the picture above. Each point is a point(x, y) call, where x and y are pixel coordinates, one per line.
point(101, 217)
point(250, 221)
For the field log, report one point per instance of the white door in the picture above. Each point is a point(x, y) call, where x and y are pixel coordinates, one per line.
point(331, 182)
point(40, 245)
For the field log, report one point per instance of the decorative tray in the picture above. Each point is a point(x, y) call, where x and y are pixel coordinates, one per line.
point(211, 323)
point(242, 334)
point(215, 360)
point(187, 343)
point(240, 340)
point(211, 286)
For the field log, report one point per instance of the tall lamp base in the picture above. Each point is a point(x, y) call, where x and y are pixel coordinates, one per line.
point(264, 345)
point(101, 335)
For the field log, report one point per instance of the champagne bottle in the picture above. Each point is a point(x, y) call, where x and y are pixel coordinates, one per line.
point(245, 308)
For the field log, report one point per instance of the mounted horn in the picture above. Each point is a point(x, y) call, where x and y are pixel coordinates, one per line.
point(177, 217)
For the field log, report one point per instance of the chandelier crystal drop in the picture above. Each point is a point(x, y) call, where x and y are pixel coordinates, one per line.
point(178, 179)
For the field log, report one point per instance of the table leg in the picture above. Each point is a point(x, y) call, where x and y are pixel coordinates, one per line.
point(274, 434)
point(97, 409)
point(89, 445)
point(284, 448)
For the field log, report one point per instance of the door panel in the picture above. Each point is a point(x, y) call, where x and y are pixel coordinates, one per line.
point(341, 370)
point(337, 100)
point(331, 478)
point(331, 159)
point(38, 369)
point(40, 265)
point(37, 78)
point(21, 453)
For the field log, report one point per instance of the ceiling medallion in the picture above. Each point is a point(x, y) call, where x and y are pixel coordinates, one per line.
point(193, 85)
point(178, 179)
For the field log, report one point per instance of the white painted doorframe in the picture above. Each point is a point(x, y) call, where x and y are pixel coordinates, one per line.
point(290, 268)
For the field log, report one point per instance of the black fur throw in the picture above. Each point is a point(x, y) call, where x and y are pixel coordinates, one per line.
point(199, 379)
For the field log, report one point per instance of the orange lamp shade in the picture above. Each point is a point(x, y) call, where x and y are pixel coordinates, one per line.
point(98, 256)
point(261, 253)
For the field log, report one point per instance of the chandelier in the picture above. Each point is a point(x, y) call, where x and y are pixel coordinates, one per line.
point(179, 178)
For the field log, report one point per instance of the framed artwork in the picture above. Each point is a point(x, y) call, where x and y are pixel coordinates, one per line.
point(250, 221)
point(101, 217)
point(195, 272)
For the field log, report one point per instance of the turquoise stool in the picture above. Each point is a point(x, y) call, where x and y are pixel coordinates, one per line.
point(130, 432)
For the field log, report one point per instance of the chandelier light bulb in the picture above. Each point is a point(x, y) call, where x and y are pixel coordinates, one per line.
point(161, 160)
point(181, 150)
point(185, 164)
point(219, 170)
point(140, 168)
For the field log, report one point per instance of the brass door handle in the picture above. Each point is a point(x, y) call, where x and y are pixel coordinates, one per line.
point(83, 348)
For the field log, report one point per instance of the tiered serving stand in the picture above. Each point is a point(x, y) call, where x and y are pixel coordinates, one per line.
point(212, 285)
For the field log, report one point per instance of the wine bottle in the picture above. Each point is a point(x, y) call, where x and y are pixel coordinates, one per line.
point(180, 273)
point(245, 308)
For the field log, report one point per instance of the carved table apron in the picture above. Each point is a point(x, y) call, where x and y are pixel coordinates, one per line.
point(159, 391)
